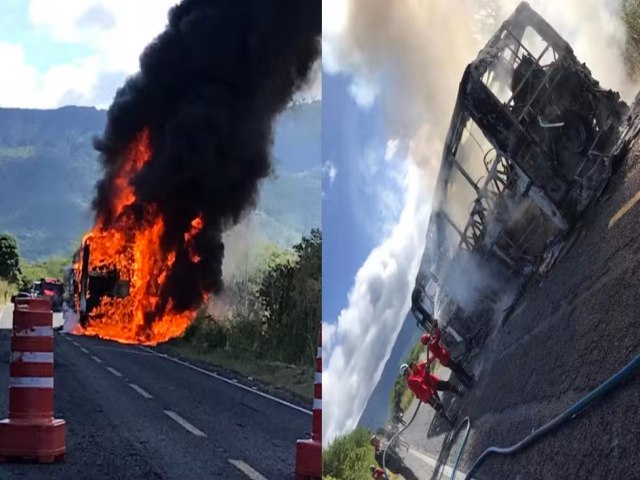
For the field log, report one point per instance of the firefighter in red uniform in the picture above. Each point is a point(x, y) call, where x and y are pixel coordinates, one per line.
point(425, 386)
point(439, 351)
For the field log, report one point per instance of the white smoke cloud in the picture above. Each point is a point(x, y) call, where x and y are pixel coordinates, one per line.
point(410, 56)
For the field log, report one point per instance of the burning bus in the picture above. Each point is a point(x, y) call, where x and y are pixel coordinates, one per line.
point(529, 148)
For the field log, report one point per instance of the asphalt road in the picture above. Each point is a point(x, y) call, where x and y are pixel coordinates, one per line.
point(134, 414)
point(568, 334)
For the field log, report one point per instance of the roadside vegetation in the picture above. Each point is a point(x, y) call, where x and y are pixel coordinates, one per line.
point(348, 457)
point(266, 325)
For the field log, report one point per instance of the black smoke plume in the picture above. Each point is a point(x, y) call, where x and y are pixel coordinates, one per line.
point(208, 90)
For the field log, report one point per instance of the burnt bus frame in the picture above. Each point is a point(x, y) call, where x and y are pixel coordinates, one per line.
point(516, 148)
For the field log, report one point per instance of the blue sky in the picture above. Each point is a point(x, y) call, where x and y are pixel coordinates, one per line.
point(364, 200)
point(346, 242)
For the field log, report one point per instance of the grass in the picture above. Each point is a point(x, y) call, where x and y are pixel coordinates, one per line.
point(349, 456)
point(295, 380)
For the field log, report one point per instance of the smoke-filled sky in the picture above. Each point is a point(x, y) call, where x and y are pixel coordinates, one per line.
point(391, 72)
point(79, 52)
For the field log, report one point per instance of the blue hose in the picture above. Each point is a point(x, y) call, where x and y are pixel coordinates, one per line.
point(384, 455)
point(618, 378)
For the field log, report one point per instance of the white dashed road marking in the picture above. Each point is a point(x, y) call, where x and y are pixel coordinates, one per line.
point(141, 391)
point(114, 371)
point(84, 350)
point(185, 424)
point(96, 359)
point(247, 470)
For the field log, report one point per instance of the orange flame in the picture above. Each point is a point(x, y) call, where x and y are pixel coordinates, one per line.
point(196, 226)
point(132, 247)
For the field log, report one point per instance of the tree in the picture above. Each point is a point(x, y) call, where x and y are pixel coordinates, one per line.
point(290, 293)
point(9, 259)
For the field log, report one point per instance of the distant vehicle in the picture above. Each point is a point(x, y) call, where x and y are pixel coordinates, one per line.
point(50, 288)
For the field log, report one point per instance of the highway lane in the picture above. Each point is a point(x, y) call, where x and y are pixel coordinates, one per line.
point(134, 414)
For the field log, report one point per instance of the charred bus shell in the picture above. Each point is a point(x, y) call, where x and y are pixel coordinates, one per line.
point(529, 148)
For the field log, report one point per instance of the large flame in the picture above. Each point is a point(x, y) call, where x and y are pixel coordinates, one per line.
point(132, 248)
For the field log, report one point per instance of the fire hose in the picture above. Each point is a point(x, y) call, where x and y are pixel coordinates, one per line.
point(614, 381)
point(384, 455)
point(596, 394)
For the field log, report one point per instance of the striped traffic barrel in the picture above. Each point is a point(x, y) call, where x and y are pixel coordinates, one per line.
point(309, 451)
point(31, 372)
point(31, 431)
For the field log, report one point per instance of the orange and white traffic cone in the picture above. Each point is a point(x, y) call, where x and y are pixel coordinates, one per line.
point(309, 452)
point(31, 432)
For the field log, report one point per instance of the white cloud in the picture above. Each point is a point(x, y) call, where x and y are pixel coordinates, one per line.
point(363, 91)
point(392, 148)
point(115, 34)
point(133, 26)
point(330, 170)
point(356, 347)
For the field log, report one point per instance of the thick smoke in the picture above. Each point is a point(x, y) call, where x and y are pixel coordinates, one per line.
point(208, 90)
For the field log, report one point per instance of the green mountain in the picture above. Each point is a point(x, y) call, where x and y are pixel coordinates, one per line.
point(48, 169)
